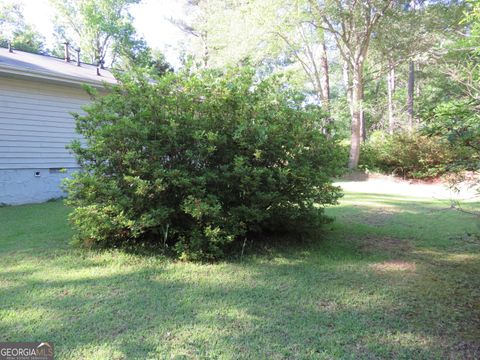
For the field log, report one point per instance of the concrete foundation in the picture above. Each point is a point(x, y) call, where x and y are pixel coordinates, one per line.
point(27, 186)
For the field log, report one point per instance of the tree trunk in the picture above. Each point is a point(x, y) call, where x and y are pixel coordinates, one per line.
point(391, 93)
point(206, 54)
point(363, 124)
point(417, 83)
point(324, 76)
point(356, 108)
point(417, 89)
point(363, 127)
point(325, 86)
point(410, 93)
point(348, 84)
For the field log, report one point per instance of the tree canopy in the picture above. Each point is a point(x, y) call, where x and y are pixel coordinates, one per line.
point(102, 29)
point(372, 65)
point(16, 31)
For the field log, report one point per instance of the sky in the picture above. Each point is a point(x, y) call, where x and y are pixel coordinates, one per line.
point(151, 21)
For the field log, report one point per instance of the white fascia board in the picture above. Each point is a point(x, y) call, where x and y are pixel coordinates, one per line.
point(49, 77)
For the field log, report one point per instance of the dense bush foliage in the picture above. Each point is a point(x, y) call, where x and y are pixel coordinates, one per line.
point(196, 162)
point(458, 122)
point(408, 154)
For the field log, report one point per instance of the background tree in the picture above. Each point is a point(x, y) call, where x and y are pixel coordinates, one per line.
point(352, 24)
point(272, 35)
point(14, 29)
point(404, 40)
point(457, 117)
point(201, 14)
point(101, 28)
point(388, 53)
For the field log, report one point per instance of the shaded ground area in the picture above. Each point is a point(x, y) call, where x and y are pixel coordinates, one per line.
point(395, 276)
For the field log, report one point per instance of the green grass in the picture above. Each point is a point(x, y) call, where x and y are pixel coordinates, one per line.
point(394, 277)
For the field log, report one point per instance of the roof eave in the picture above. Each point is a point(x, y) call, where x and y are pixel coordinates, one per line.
point(49, 77)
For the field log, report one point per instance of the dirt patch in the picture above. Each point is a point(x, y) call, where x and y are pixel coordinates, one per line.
point(465, 350)
point(328, 306)
point(355, 176)
point(4, 284)
point(394, 265)
point(385, 244)
point(471, 178)
point(381, 184)
point(378, 217)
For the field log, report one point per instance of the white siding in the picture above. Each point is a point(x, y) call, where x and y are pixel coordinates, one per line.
point(36, 124)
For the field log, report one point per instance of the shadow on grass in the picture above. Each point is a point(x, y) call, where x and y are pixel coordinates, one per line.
point(288, 307)
point(329, 299)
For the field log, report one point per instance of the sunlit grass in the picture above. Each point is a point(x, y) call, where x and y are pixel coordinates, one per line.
point(394, 277)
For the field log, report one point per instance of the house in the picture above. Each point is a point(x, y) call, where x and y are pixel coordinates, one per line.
point(37, 96)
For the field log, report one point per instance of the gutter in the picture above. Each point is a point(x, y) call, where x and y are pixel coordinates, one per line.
point(50, 77)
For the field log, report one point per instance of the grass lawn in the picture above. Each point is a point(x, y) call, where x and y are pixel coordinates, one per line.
point(394, 277)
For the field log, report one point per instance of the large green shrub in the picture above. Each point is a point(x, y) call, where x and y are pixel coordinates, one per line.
point(458, 122)
point(407, 154)
point(196, 162)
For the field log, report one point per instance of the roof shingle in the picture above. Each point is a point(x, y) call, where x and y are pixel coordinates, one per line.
point(20, 61)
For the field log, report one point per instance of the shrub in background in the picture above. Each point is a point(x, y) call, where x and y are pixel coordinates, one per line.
point(407, 154)
point(458, 122)
point(196, 162)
